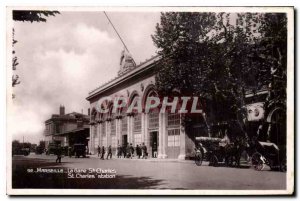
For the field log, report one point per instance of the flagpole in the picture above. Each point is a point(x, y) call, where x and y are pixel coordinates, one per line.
point(117, 33)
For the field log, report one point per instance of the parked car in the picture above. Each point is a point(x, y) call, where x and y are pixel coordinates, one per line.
point(22, 151)
point(39, 150)
point(52, 147)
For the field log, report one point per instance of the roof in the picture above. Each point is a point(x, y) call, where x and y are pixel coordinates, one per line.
point(124, 77)
point(69, 116)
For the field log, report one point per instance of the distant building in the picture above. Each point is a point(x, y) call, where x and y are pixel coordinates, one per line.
point(67, 129)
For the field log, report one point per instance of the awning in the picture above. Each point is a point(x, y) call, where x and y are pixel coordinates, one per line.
point(75, 131)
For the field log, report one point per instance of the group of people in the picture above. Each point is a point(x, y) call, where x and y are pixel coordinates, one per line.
point(102, 151)
point(129, 151)
point(126, 151)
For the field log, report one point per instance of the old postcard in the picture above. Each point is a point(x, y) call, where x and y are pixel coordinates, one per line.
point(150, 101)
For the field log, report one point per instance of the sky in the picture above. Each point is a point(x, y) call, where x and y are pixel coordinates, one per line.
point(67, 57)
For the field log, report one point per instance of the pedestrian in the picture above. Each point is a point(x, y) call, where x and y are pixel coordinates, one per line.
point(58, 154)
point(154, 150)
point(99, 151)
point(131, 149)
point(144, 151)
point(128, 151)
point(109, 152)
point(119, 151)
point(124, 150)
point(102, 152)
point(138, 150)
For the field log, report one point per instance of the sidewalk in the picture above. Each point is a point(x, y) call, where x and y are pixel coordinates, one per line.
point(146, 160)
point(243, 164)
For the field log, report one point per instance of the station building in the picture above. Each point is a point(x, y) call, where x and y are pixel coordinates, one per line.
point(161, 132)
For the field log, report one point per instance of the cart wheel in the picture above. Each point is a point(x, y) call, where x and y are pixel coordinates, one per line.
point(214, 161)
point(198, 159)
point(257, 162)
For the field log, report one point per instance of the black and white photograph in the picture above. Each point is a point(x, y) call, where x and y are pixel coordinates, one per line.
point(150, 100)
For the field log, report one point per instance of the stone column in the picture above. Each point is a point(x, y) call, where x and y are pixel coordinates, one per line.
point(182, 141)
point(94, 138)
point(161, 132)
point(146, 133)
point(143, 127)
point(164, 135)
point(97, 137)
point(118, 134)
point(118, 130)
point(107, 133)
point(129, 129)
point(100, 134)
point(91, 139)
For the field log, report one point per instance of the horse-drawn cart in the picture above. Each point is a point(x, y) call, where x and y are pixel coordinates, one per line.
point(267, 153)
point(218, 151)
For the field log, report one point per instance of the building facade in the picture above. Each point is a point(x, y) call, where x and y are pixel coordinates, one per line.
point(163, 133)
point(67, 129)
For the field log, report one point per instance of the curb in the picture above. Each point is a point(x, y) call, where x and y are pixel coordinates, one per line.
point(147, 160)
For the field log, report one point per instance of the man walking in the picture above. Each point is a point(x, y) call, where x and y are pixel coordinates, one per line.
point(138, 151)
point(144, 151)
point(154, 150)
point(58, 154)
point(99, 151)
point(128, 151)
point(119, 151)
point(131, 149)
point(102, 152)
point(124, 150)
point(109, 152)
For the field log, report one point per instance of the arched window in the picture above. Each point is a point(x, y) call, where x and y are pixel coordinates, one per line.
point(137, 122)
point(124, 126)
point(112, 118)
point(113, 127)
point(153, 115)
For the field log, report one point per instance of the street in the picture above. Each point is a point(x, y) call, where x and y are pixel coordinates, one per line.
point(137, 174)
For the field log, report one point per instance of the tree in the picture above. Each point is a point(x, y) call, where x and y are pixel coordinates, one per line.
point(206, 55)
point(32, 15)
point(274, 28)
point(26, 16)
